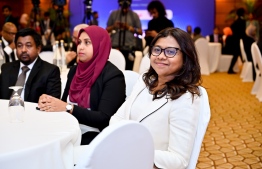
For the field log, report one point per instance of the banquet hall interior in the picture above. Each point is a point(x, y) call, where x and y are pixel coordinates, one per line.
point(233, 139)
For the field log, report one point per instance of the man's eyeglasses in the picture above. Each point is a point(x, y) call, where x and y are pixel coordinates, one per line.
point(10, 33)
point(169, 51)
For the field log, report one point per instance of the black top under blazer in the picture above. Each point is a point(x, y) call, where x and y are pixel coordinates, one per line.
point(106, 96)
point(44, 78)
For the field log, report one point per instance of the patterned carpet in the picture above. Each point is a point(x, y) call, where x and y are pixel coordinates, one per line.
point(234, 136)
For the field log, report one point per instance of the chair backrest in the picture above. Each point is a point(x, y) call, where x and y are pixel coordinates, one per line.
point(204, 118)
point(118, 59)
point(144, 65)
point(137, 61)
point(47, 56)
point(242, 50)
point(256, 55)
point(130, 79)
point(124, 145)
point(201, 45)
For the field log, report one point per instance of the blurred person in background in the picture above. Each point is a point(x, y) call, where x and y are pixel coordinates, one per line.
point(189, 30)
point(238, 28)
point(159, 21)
point(71, 55)
point(197, 33)
point(216, 36)
point(122, 24)
point(8, 17)
point(8, 36)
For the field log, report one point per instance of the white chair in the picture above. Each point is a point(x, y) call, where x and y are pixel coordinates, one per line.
point(146, 50)
point(204, 118)
point(144, 65)
point(124, 145)
point(137, 61)
point(246, 73)
point(256, 52)
point(130, 79)
point(224, 63)
point(201, 45)
point(47, 56)
point(118, 59)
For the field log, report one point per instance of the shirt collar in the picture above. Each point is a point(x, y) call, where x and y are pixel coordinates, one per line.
point(29, 66)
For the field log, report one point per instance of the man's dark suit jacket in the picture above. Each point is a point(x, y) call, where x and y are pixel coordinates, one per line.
point(44, 78)
point(106, 96)
point(212, 39)
point(7, 60)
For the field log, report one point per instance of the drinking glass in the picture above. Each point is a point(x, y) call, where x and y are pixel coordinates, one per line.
point(16, 106)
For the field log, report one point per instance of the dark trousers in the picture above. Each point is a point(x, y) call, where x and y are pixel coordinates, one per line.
point(129, 63)
point(88, 137)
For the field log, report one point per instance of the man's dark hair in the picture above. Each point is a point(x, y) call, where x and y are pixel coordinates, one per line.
point(29, 32)
point(6, 6)
point(240, 12)
point(159, 6)
point(197, 30)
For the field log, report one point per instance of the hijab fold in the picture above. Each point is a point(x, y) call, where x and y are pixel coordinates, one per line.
point(87, 72)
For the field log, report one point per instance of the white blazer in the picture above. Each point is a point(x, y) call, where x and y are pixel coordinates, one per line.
point(173, 126)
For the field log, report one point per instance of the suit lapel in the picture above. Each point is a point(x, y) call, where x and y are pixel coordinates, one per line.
point(154, 106)
point(31, 76)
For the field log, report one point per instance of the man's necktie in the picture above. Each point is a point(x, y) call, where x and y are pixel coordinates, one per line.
point(21, 79)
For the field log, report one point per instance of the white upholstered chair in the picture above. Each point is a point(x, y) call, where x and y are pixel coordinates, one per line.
point(118, 59)
point(137, 61)
point(47, 56)
point(124, 145)
point(144, 65)
point(246, 73)
point(257, 87)
point(201, 45)
point(130, 79)
point(256, 53)
point(204, 118)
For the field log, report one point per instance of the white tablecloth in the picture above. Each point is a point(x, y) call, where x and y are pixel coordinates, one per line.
point(214, 55)
point(45, 140)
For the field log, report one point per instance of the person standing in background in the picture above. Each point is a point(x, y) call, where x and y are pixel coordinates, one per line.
point(94, 20)
point(8, 35)
point(159, 22)
point(122, 24)
point(238, 28)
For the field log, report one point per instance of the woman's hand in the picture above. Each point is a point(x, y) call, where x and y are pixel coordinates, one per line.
point(50, 104)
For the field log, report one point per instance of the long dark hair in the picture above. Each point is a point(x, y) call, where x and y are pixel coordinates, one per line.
point(188, 78)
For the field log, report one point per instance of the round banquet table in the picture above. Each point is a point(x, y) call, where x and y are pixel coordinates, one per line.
point(214, 55)
point(45, 140)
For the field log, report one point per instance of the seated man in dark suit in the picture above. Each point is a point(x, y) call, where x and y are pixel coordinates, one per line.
point(216, 36)
point(39, 78)
point(8, 35)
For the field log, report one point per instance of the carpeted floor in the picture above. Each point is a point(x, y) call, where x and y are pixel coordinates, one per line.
point(234, 135)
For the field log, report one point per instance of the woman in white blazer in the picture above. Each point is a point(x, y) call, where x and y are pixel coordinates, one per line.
point(166, 98)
